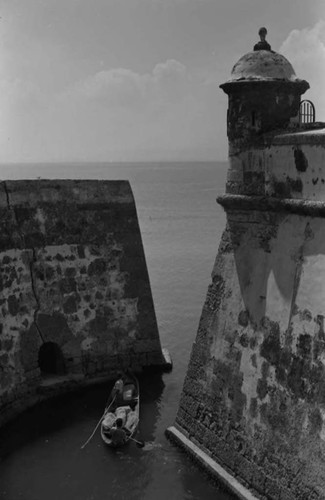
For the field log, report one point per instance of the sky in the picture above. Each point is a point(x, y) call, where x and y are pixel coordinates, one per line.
point(138, 80)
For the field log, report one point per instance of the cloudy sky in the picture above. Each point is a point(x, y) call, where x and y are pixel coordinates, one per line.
point(123, 80)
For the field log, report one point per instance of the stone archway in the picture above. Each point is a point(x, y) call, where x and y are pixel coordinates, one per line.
point(51, 359)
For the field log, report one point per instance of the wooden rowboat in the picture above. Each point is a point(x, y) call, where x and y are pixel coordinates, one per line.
point(124, 406)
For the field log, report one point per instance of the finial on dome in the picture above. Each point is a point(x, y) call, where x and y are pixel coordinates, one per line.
point(262, 44)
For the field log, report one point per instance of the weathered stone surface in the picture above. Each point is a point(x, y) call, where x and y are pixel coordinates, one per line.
point(270, 392)
point(253, 396)
point(73, 273)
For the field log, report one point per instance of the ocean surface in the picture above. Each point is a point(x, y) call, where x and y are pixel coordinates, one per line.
point(40, 454)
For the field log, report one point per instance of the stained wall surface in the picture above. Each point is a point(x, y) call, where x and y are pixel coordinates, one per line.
point(291, 166)
point(254, 394)
point(73, 281)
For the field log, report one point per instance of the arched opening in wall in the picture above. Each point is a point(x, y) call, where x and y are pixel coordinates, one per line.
point(51, 359)
point(307, 112)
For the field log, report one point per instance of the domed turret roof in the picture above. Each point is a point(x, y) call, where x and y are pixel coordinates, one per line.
point(263, 65)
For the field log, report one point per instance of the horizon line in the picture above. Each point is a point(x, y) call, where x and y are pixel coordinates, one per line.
point(58, 162)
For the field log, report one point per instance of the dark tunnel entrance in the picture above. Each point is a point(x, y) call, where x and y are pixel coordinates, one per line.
point(50, 359)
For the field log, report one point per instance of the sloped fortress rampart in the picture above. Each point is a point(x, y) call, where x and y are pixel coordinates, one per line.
point(75, 297)
point(253, 399)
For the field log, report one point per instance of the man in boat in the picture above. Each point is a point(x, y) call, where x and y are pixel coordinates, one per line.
point(122, 413)
point(117, 391)
point(118, 435)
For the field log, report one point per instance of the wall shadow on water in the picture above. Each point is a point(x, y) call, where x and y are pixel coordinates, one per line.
point(48, 416)
point(40, 455)
point(151, 391)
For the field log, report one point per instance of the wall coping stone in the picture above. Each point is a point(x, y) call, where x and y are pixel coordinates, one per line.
point(33, 193)
point(270, 204)
point(216, 471)
point(314, 136)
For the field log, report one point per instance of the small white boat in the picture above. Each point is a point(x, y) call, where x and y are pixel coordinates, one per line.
point(124, 407)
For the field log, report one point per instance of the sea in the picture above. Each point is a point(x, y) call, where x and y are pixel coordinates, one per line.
point(40, 451)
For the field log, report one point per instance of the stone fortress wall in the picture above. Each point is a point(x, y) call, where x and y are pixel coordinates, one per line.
point(253, 399)
point(75, 297)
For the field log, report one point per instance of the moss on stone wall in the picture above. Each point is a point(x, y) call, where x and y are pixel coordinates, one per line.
point(253, 396)
point(73, 275)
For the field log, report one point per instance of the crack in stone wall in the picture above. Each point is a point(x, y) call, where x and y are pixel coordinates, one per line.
point(32, 260)
point(14, 217)
point(73, 272)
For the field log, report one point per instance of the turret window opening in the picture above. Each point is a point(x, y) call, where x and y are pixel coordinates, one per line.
point(253, 119)
point(306, 112)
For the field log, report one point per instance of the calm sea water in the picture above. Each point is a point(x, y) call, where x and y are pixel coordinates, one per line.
point(40, 455)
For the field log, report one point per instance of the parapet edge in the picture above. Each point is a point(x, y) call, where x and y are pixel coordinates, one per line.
point(267, 203)
point(71, 191)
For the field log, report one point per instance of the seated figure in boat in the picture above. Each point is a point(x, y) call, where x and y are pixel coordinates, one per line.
point(118, 434)
point(117, 391)
point(131, 421)
point(128, 392)
point(121, 413)
point(128, 417)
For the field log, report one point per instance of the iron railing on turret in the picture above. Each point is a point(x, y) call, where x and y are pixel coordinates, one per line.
point(306, 112)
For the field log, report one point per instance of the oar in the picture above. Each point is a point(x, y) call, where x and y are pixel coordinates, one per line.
point(99, 421)
point(93, 433)
point(140, 444)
